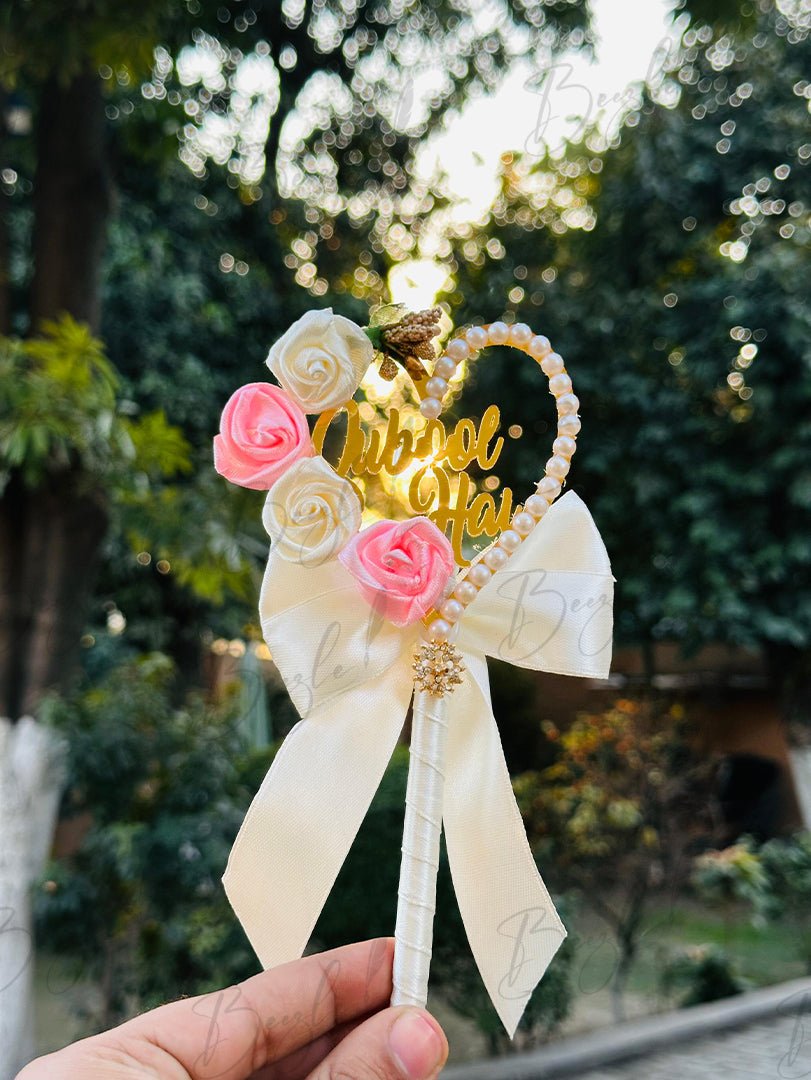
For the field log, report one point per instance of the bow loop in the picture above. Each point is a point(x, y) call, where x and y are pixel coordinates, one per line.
point(550, 608)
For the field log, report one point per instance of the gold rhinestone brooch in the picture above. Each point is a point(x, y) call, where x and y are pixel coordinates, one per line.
point(438, 668)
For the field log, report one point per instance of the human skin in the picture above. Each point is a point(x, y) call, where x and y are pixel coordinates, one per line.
point(325, 1017)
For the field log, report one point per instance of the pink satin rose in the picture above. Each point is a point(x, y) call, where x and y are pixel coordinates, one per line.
point(262, 432)
point(400, 567)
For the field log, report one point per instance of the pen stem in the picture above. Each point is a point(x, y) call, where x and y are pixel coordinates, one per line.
point(416, 898)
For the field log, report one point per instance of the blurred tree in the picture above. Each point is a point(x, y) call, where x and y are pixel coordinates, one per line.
point(615, 815)
point(668, 270)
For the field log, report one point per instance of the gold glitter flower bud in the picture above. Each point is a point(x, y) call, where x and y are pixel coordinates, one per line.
point(438, 668)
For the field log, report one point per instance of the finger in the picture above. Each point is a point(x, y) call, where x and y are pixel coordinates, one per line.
point(396, 1044)
point(231, 1034)
point(300, 1064)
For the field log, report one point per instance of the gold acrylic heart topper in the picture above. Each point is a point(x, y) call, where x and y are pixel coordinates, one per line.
point(435, 459)
point(405, 570)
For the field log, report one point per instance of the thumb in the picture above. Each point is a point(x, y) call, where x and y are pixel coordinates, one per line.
point(396, 1044)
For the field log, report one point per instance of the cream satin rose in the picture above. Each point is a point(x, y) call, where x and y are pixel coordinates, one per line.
point(311, 513)
point(321, 360)
point(400, 567)
point(262, 432)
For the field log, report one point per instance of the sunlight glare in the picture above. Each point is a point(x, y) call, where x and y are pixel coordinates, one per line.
point(415, 283)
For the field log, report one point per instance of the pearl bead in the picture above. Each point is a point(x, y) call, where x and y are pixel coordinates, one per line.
point(439, 630)
point(552, 364)
point(557, 467)
point(496, 558)
point(564, 446)
point(539, 346)
point(569, 425)
point(520, 334)
point(452, 610)
point(510, 540)
point(560, 384)
point(465, 591)
point(568, 403)
point(445, 368)
point(523, 523)
point(436, 387)
point(476, 337)
point(430, 408)
point(458, 350)
point(549, 488)
point(479, 575)
point(498, 333)
point(536, 505)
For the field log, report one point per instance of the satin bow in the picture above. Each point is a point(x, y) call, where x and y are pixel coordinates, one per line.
point(349, 675)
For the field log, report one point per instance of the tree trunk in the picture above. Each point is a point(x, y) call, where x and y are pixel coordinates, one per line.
point(628, 941)
point(619, 983)
point(72, 199)
point(49, 543)
point(31, 778)
point(49, 537)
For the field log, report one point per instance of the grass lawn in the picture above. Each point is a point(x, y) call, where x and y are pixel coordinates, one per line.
point(762, 955)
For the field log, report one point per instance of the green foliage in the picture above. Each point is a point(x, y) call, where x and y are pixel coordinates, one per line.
point(165, 787)
point(62, 408)
point(59, 411)
point(57, 402)
point(700, 973)
point(219, 558)
point(159, 449)
point(55, 40)
point(736, 873)
point(614, 795)
point(774, 881)
point(787, 866)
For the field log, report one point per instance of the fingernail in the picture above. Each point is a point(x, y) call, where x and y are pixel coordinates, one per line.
point(416, 1045)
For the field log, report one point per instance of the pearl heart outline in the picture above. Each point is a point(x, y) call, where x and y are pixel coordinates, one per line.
point(443, 625)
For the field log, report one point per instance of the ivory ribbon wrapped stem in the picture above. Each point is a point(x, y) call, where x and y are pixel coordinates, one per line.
point(416, 903)
point(350, 677)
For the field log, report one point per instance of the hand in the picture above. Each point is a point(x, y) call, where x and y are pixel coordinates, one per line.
point(323, 1018)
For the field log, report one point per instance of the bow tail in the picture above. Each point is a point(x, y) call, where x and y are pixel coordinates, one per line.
point(512, 925)
point(302, 821)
